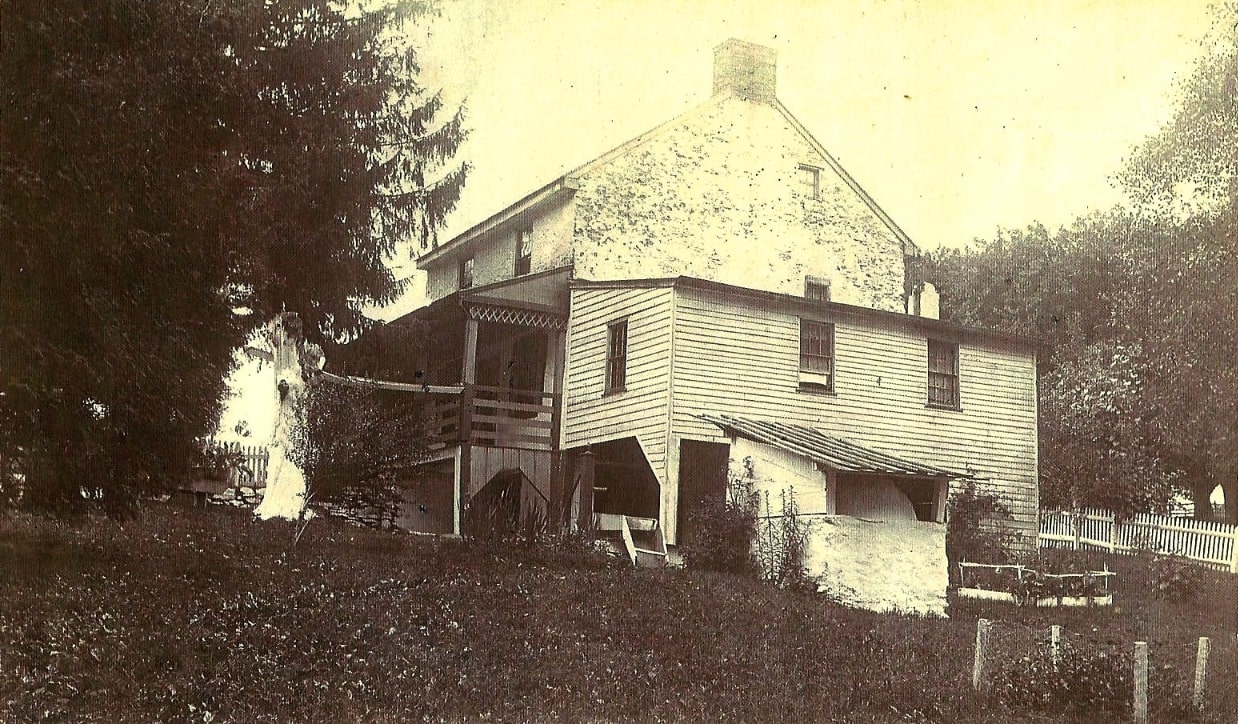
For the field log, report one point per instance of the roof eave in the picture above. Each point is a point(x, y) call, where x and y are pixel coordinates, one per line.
point(909, 247)
point(551, 191)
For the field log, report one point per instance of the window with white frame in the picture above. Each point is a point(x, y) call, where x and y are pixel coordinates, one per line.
point(466, 272)
point(816, 356)
point(943, 374)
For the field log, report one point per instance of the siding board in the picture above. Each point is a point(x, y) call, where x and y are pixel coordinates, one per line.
point(736, 358)
point(639, 411)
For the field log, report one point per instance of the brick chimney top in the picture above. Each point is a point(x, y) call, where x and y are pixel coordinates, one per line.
point(745, 69)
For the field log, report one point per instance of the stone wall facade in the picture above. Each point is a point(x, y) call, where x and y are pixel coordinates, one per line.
point(720, 195)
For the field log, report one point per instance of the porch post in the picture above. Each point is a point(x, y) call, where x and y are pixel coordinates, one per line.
point(468, 375)
point(585, 465)
point(939, 503)
point(552, 381)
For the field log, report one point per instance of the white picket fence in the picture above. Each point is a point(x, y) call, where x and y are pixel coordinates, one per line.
point(1212, 543)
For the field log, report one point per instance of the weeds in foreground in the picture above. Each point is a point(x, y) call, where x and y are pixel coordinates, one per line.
point(180, 614)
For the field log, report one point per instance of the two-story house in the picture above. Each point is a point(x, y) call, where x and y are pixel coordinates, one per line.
point(717, 288)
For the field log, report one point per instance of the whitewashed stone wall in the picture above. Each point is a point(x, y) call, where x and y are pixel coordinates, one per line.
point(717, 196)
point(878, 565)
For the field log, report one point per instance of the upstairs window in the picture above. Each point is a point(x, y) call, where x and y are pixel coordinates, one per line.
point(616, 356)
point(524, 251)
point(810, 181)
point(943, 374)
point(817, 289)
point(816, 356)
point(466, 272)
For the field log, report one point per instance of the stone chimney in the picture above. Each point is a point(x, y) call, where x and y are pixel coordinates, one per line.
point(745, 69)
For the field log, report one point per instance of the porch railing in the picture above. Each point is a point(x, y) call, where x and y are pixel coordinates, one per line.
point(497, 417)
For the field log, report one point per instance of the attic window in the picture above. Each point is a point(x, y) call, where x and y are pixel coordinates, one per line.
point(810, 181)
point(466, 272)
point(524, 251)
point(817, 289)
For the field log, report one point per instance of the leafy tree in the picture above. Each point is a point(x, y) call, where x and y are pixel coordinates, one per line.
point(1093, 444)
point(1190, 167)
point(360, 445)
point(1186, 176)
point(174, 174)
point(1136, 308)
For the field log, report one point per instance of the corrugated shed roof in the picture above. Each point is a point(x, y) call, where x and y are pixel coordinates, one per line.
point(833, 453)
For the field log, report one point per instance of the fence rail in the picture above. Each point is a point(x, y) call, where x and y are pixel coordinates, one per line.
point(1209, 542)
point(498, 417)
point(252, 470)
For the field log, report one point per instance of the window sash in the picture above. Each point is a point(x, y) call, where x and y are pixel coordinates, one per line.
point(817, 349)
point(810, 179)
point(943, 374)
point(524, 252)
point(466, 273)
point(616, 356)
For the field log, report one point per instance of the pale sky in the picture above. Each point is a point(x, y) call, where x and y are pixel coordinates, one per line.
point(957, 116)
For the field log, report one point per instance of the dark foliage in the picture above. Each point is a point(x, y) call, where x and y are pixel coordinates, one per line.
point(974, 531)
point(358, 447)
point(166, 163)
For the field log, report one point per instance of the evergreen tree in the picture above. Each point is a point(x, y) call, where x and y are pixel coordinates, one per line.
point(174, 174)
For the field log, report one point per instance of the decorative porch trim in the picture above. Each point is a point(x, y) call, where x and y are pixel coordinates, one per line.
point(512, 315)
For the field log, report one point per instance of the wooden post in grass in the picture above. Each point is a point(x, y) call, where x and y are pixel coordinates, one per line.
point(1055, 644)
point(1141, 683)
point(982, 644)
point(1201, 672)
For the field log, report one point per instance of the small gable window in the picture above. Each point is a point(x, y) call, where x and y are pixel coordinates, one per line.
point(810, 181)
point(524, 251)
point(943, 374)
point(816, 356)
point(616, 356)
point(466, 272)
point(816, 289)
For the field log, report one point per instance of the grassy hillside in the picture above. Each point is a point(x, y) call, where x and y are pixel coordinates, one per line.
point(191, 615)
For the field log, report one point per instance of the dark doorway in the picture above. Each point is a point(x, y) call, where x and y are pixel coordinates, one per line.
point(623, 481)
point(702, 480)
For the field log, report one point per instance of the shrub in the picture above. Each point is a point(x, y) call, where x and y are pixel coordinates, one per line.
point(968, 537)
point(780, 544)
point(1088, 681)
point(723, 530)
point(1175, 579)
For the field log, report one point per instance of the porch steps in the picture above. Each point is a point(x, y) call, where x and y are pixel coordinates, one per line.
point(640, 539)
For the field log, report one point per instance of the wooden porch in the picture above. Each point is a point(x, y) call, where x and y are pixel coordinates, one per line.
point(496, 417)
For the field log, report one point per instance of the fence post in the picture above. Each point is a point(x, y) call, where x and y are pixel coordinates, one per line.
point(1233, 564)
point(982, 644)
point(1076, 523)
point(1140, 704)
point(1055, 644)
point(1201, 672)
point(1113, 532)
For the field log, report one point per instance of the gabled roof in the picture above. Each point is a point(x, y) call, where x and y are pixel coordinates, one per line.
point(831, 453)
point(568, 182)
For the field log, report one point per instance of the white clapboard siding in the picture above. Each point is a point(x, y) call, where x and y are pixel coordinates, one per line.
point(590, 416)
point(741, 357)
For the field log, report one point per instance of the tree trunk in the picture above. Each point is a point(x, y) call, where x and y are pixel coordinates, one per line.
point(285, 494)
